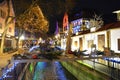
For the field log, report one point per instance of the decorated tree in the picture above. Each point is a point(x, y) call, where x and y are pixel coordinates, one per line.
point(32, 21)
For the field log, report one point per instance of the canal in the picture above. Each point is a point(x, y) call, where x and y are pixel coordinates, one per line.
point(51, 71)
point(54, 70)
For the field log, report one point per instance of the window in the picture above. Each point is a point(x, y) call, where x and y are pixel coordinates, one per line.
point(119, 44)
point(101, 41)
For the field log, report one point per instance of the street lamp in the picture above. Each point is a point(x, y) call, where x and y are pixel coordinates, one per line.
point(22, 37)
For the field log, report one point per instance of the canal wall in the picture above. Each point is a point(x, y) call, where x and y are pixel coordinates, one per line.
point(28, 72)
point(81, 72)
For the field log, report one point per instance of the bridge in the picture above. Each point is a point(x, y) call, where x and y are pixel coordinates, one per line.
point(68, 57)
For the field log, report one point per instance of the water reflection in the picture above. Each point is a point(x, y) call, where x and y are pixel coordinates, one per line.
point(51, 71)
point(39, 70)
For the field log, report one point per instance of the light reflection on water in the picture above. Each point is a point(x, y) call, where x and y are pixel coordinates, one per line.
point(44, 70)
point(40, 67)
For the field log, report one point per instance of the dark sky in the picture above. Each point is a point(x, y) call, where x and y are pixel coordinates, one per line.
point(103, 7)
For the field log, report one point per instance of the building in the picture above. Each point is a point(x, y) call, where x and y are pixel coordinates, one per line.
point(9, 40)
point(102, 36)
point(79, 25)
point(105, 36)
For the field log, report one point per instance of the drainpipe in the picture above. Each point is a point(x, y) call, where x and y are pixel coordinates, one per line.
point(108, 39)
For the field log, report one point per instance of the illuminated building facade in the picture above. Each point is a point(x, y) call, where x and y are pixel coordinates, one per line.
point(106, 36)
point(80, 25)
point(3, 15)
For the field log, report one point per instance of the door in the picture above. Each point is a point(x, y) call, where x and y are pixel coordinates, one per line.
point(101, 42)
point(81, 43)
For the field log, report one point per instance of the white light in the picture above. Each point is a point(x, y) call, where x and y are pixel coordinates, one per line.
point(22, 37)
point(76, 33)
point(56, 36)
point(40, 40)
point(118, 11)
point(93, 29)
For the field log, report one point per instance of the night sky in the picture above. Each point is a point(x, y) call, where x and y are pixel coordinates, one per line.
point(103, 7)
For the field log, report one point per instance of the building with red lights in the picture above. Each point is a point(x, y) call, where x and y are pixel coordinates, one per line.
point(103, 36)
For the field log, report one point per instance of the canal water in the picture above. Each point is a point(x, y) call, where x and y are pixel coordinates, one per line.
point(51, 71)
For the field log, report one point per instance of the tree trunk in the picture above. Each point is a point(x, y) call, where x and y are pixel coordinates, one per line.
point(20, 33)
point(3, 40)
point(68, 42)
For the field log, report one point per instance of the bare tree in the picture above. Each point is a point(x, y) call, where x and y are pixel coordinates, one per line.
point(96, 21)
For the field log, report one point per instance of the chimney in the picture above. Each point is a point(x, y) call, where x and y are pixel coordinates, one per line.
point(118, 14)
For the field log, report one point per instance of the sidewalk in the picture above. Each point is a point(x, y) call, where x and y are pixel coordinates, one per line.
point(8, 56)
point(4, 59)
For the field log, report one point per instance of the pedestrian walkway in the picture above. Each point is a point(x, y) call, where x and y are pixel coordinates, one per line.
point(5, 60)
point(105, 69)
point(82, 72)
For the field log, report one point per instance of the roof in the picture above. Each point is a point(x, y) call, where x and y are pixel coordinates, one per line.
point(105, 27)
point(110, 26)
